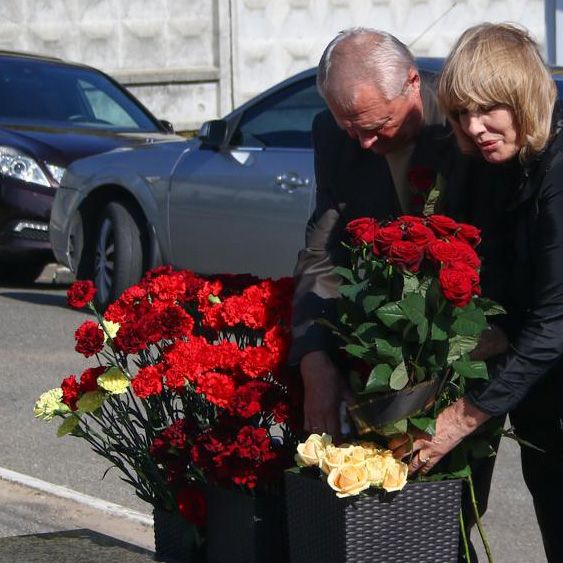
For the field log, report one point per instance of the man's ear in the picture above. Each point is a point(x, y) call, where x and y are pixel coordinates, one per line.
point(413, 79)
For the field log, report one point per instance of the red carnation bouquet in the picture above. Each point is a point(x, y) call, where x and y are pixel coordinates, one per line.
point(190, 385)
point(410, 315)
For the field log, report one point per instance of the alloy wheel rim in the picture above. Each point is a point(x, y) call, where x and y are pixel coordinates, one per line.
point(105, 261)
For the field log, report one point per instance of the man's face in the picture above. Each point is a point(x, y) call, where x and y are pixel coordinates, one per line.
point(379, 124)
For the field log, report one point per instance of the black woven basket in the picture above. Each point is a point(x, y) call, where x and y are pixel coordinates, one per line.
point(245, 529)
point(174, 538)
point(419, 524)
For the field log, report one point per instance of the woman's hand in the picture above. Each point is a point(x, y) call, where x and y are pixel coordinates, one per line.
point(452, 425)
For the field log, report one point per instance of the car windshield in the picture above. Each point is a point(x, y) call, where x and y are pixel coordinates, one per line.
point(43, 93)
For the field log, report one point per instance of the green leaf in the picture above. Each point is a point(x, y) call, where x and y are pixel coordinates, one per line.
point(460, 345)
point(379, 378)
point(413, 308)
point(393, 429)
point(390, 348)
point(372, 301)
point(351, 291)
point(390, 314)
point(399, 378)
point(489, 307)
point(356, 383)
point(420, 373)
point(357, 351)
point(422, 329)
point(437, 332)
point(471, 370)
point(469, 323)
point(368, 332)
point(346, 273)
point(425, 423)
point(411, 284)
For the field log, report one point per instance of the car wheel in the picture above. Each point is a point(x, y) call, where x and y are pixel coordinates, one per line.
point(115, 254)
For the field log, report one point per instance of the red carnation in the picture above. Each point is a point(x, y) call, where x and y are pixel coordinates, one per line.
point(421, 178)
point(89, 378)
point(147, 382)
point(406, 255)
point(459, 283)
point(89, 338)
point(80, 293)
point(70, 391)
point(218, 388)
point(192, 505)
point(362, 230)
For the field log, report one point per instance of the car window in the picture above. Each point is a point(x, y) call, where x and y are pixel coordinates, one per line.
point(283, 119)
point(40, 92)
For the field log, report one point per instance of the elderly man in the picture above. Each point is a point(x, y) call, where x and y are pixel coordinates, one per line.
point(383, 121)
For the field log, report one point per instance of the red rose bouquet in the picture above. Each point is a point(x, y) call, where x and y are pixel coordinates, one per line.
point(190, 385)
point(411, 313)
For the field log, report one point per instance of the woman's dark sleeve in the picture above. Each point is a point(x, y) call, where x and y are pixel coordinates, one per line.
point(538, 346)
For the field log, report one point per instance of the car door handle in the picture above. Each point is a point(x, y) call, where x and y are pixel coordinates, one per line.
point(290, 181)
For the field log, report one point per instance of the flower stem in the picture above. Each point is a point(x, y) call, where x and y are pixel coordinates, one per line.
point(478, 520)
point(464, 537)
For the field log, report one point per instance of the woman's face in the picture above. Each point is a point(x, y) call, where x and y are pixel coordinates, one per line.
point(493, 131)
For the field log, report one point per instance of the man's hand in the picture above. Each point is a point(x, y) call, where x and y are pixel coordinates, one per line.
point(491, 343)
point(323, 394)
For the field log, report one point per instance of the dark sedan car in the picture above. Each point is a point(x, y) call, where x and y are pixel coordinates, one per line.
point(52, 113)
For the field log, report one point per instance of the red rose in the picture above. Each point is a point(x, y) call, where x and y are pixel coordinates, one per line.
point(469, 234)
point(452, 251)
point(406, 255)
point(70, 391)
point(459, 283)
point(419, 234)
point(421, 178)
point(80, 293)
point(362, 230)
point(89, 338)
point(442, 225)
point(385, 236)
point(147, 382)
point(192, 505)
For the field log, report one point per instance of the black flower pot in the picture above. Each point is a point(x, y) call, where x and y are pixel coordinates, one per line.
point(372, 412)
point(245, 529)
point(418, 524)
point(175, 539)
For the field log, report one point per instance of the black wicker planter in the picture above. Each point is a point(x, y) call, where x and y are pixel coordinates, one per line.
point(245, 529)
point(420, 523)
point(175, 539)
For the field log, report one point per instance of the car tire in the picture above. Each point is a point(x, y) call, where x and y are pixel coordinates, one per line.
point(114, 254)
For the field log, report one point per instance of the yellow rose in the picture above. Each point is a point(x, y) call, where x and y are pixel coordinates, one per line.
point(335, 456)
point(114, 381)
point(312, 451)
point(349, 479)
point(50, 404)
point(377, 468)
point(110, 329)
point(91, 401)
point(396, 476)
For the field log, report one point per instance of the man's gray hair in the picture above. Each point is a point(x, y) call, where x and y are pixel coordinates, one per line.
point(363, 55)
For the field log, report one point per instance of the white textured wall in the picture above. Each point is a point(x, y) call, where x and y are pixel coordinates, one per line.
point(190, 60)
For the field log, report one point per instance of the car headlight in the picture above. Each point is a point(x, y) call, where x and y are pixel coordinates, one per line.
point(16, 164)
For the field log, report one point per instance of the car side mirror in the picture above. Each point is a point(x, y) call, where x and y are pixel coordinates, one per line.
point(167, 125)
point(213, 133)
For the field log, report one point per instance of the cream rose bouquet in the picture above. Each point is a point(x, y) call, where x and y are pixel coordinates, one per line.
point(352, 468)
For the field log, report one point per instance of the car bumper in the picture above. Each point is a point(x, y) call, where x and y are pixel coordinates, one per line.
point(63, 213)
point(24, 217)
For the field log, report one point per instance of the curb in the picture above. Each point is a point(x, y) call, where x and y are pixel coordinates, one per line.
point(63, 492)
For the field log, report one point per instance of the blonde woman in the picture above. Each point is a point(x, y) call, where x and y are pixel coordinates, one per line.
point(501, 101)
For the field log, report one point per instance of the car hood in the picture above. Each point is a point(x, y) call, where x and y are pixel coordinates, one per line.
point(61, 146)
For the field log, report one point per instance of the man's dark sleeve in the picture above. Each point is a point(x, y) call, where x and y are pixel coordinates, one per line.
point(538, 347)
point(316, 290)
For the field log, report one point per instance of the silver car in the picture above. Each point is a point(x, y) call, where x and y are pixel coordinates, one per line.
point(236, 199)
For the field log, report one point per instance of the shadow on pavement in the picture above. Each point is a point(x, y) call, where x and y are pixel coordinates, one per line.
point(38, 298)
point(71, 546)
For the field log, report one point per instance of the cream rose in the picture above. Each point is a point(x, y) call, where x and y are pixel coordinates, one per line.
point(396, 476)
point(349, 479)
point(312, 451)
point(335, 456)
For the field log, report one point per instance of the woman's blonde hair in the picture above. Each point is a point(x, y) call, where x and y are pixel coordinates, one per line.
point(499, 64)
